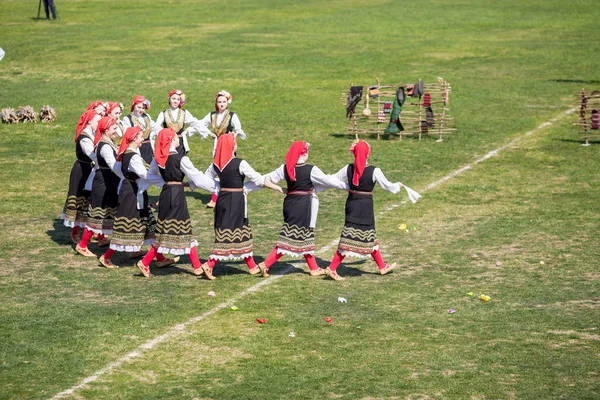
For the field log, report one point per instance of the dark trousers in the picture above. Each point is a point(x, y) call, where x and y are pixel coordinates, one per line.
point(49, 7)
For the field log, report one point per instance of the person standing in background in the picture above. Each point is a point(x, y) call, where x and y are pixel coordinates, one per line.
point(49, 7)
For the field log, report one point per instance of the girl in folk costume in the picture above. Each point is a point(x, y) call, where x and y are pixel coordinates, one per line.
point(219, 122)
point(176, 117)
point(104, 199)
point(76, 206)
point(174, 229)
point(115, 110)
point(358, 238)
point(300, 207)
point(233, 236)
point(134, 222)
point(138, 117)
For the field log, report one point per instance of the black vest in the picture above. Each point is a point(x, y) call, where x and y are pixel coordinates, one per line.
point(129, 175)
point(230, 126)
point(101, 161)
point(230, 177)
point(79, 153)
point(172, 171)
point(365, 183)
point(303, 181)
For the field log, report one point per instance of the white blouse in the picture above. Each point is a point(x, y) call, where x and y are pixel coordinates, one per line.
point(196, 178)
point(319, 179)
point(154, 127)
point(377, 177)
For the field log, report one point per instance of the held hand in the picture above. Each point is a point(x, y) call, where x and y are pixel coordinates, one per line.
point(284, 191)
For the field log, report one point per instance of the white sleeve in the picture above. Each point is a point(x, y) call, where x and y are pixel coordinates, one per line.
point(196, 178)
point(342, 174)
point(160, 120)
point(323, 182)
point(210, 171)
point(276, 175)
point(237, 127)
point(136, 165)
point(109, 156)
point(155, 128)
point(384, 183)
point(153, 176)
point(116, 168)
point(88, 148)
point(193, 124)
point(202, 126)
point(126, 122)
point(251, 174)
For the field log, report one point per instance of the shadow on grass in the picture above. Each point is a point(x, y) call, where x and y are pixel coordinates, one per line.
point(203, 197)
point(579, 141)
point(60, 234)
point(425, 136)
point(591, 82)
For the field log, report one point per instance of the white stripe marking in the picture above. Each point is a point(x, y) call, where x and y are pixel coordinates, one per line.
point(178, 329)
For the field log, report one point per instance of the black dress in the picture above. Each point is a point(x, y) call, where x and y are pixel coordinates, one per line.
point(173, 227)
point(104, 198)
point(233, 236)
point(75, 211)
point(133, 227)
point(296, 237)
point(146, 148)
point(358, 238)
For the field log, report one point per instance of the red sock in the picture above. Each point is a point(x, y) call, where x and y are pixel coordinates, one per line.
point(196, 263)
point(101, 236)
point(85, 238)
point(160, 256)
point(109, 253)
point(272, 258)
point(337, 259)
point(311, 261)
point(214, 198)
point(376, 254)
point(212, 262)
point(75, 231)
point(250, 262)
point(149, 256)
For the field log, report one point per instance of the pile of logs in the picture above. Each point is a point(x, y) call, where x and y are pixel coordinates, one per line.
point(589, 115)
point(27, 114)
point(371, 115)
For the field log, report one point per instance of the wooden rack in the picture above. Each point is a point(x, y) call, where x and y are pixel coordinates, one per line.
point(413, 116)
point(589, 112)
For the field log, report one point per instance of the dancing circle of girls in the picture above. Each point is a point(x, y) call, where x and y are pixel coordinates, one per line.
point(118, 158)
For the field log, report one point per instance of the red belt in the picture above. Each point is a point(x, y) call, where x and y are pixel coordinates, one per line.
point(359, 192)
point(232, 189)
point(301, 192)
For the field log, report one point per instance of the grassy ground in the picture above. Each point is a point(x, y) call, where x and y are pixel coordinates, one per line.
point(512, 66)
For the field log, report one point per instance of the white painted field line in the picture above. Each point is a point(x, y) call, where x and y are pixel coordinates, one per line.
point(180, 328)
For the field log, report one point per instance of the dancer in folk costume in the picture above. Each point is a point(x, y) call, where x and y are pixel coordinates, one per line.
point(176, 117)
point(358, 238)
point(233, 236)
point(115, 110)
point(300, 207)
point(76, 206)
point(219, 122)
point(134, 222)
point(174, 228)
point(103, 183)
point(139, 117)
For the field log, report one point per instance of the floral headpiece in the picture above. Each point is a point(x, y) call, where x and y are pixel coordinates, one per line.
point(225, 94)
point(181, 96)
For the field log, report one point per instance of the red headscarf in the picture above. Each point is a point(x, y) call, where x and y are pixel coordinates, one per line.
point(291, 158)
point(224, 151)
point(112, 106)
point(225, 94)
point(128, 136)
point(181, 96)
point(162, 148)
point(361, 150)
point(95, 104)
point(85, 118)
point(140, 99)
point(103, 125)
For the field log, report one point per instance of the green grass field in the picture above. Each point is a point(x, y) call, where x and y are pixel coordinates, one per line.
point(521, 226)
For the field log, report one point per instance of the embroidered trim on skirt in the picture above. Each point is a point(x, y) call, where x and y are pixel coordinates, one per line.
point(75, 211)
point(296, 240)
point(358, 240)
point(233, 244)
